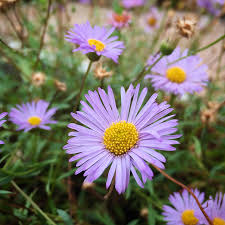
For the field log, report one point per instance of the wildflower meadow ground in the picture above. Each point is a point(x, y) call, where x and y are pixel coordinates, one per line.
point(112, 112)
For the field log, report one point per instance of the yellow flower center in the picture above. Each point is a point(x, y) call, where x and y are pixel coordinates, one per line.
point(218, 221)
point(120, 137)
point(188, 217)
point(152, 21)
point(176, 75)
point(34, 120)
point(99, 46)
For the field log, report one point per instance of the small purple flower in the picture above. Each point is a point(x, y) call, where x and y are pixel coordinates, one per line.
point(32, 115)
point(132, 3)
point(186, 75)
point(152, 19)
point(216, 209)
point(185, 210)
point(120, 20)
point(213, 6)
point(124, 141)
point(96, 39)
point(2, 115)
point(85, 1)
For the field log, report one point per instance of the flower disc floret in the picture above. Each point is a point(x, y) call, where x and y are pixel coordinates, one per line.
point(34, 120)
point(99, 46)
point(188, 217)
point(218, 221)
point(176, 74)
point(120, 137)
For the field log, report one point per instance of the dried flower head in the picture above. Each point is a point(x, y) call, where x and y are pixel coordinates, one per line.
point(186, 26)
point(87, 185)
point(209, 115)
point(144, 212)
point(6, 3)
point(61, 86)
point(38, 79)
point(100, 72)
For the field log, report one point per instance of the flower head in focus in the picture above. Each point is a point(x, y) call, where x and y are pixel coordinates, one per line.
point(185, 210)
point(132, 3)
point(2, 115)
point(124, 141)
point(32, 115)
point(178, 77)
point(120, 21)
point(95, 40)
point(152, 19)
point(212, 6)
point(216, 209)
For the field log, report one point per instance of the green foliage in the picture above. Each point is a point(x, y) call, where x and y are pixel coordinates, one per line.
point(36, 160)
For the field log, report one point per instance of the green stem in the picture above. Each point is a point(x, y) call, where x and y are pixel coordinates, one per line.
point(200, 49)
point(144, 71)
point(32, 202)
point(82, 85)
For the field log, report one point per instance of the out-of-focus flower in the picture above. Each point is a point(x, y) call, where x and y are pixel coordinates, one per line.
point(132, 3)
point(2, 115)
point(95, 40)
point(120, 20)
point(38, 79)
point(209, 115)
point(6, 3)
point(213, 6)
point(180, 77)
point(185, 210)
point(152, 19)
point(144, 212)
point(61, 86)
point(216, 209)
point(100, 72)
point(85, 1)
point(124, 141)
point(186, 26)
point(32, 115)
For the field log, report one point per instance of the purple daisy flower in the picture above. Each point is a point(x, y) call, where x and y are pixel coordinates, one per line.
point(216, 209)
point(124, 141)
point(85, 1)
point(152, 19)
point(132, 3)
point(2, 115)
point(213, 6)
point(96, 39)
point(185, 210)
point(120, 20)
point(32, 115)
point(186, 75)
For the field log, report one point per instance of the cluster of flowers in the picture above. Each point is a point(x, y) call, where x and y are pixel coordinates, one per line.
point(185, 210)
point(212, 6)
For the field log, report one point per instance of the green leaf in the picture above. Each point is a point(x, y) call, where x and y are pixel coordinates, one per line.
point(4, 192)
point(65, 217)
point(134, 222)
point(198, 148)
